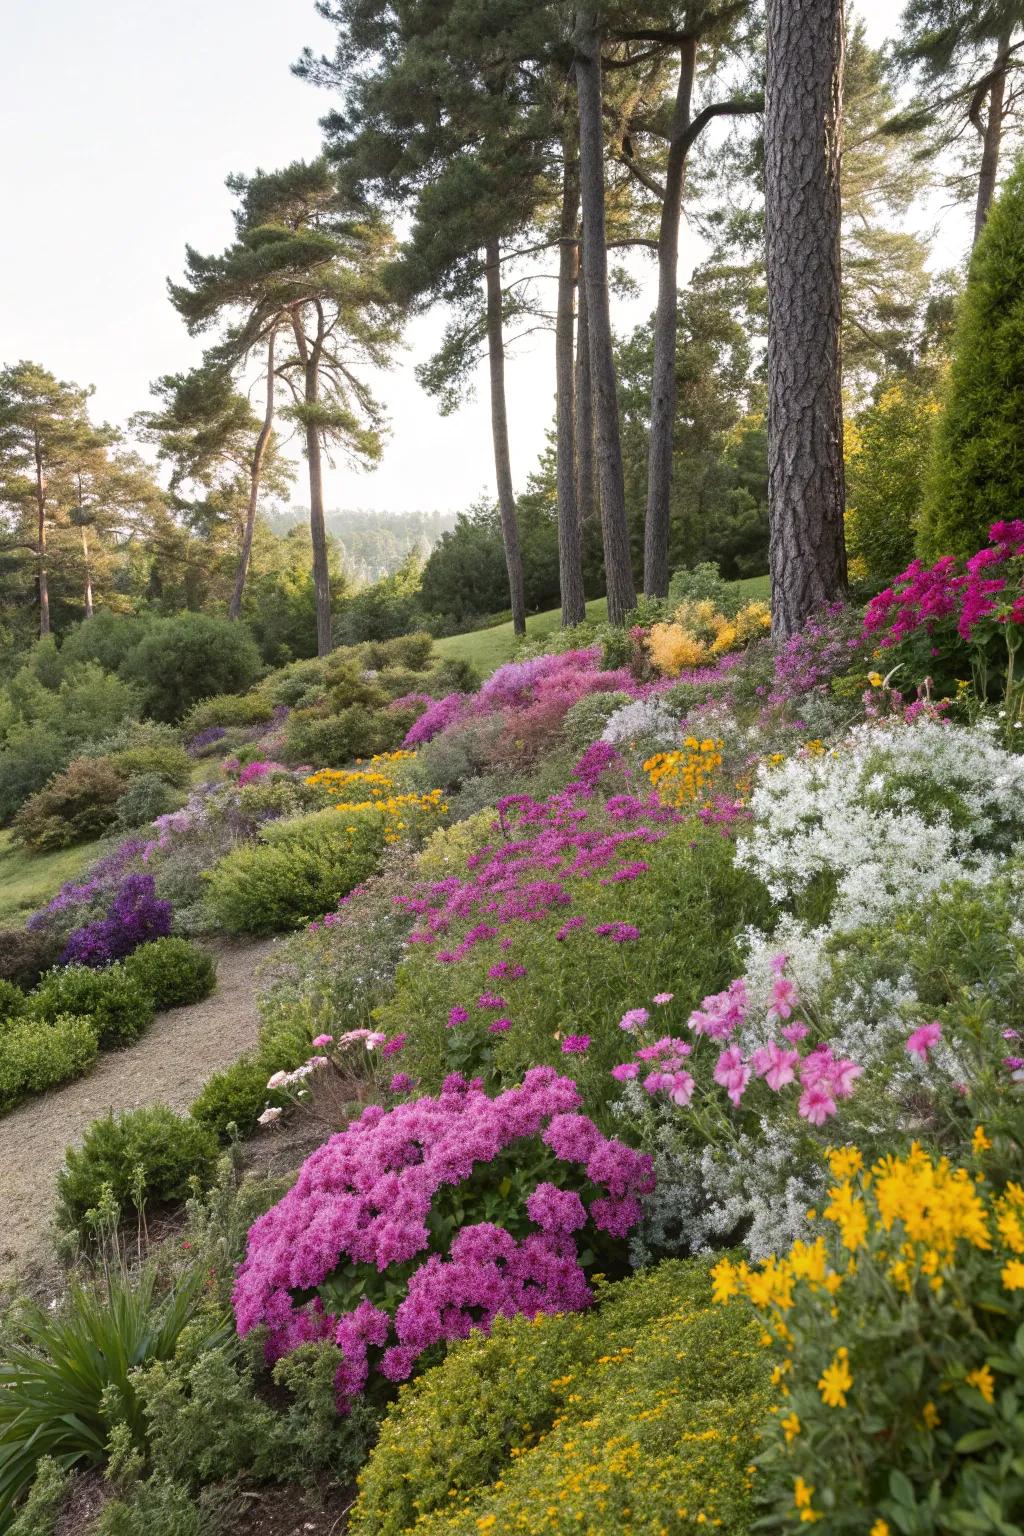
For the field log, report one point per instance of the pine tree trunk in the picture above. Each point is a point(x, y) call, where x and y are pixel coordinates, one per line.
point(255, 470)
point(615, 527)
point(663, 383)
point(802, 134)
point(992, 137)
point(310, 356)
point(88, 574)
point(499, 434)
point(587, 499)
point(570, 544)
point(44, 589)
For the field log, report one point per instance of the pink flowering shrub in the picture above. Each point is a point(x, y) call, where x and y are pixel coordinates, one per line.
point(943, 619)
point(416, 1225)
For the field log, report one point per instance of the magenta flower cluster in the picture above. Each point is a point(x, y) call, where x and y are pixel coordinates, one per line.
point(990, 586)
point(366, 1198)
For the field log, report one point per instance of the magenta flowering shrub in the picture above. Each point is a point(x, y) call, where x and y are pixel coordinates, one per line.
point(417, 1224)
point(940, 619)
point(825, 647)
point(136, 915)
point(437, 717)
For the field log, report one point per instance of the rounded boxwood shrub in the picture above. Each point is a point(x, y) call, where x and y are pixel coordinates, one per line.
point(190, 657)
point(75, 806)
point(147, 797)
point(173, 972)
point(331, 741)
point(118, 1005)
point(170, 1150)
point(226, 709)
point(167, 760)
point(311, 863)
point(641, 1415)
point(234, 1097)
point(37, 1054)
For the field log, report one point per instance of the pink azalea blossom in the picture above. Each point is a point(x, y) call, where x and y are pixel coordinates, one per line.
point(923, 1039)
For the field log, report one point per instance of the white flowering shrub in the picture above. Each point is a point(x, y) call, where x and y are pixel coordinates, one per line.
point(647, 721)
point(888, 817)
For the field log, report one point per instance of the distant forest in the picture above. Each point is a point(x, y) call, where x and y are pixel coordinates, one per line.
point(372, 545)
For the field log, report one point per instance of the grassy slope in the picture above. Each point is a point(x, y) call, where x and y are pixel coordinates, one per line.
point(27, 882)
point(488, 648)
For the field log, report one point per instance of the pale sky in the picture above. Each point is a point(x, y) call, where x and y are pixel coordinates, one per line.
point(120, 120)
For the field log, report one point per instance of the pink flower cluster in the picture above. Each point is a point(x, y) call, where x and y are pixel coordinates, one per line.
point(823, 1078)
point(546, 843)
point(991, 586)
point(258, 770)
point(366, 1197)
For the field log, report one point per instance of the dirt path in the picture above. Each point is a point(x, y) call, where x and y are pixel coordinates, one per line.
point(168, 1065)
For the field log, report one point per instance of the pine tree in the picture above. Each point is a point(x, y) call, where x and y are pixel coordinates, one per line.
point(977, 474)
point(802, 133)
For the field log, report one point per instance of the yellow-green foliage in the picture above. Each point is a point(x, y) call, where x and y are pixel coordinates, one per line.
point(446, 850)
point(640, 1416)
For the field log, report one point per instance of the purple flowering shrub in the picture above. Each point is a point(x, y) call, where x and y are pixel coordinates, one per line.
point(536, 941)
point(416, 1225)
point(135, 916)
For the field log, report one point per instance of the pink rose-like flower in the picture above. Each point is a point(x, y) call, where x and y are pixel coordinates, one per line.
point(923, 1039)
point(775, 1065)
point(732, 1072)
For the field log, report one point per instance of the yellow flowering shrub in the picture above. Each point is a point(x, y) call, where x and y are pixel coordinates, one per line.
point(639, 1416)
point(374, 788)
point(898, 1336)
point(685, 776)
point(698, 634)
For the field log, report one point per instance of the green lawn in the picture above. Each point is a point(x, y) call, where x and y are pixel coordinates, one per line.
point(27, 881)
point(488, 648)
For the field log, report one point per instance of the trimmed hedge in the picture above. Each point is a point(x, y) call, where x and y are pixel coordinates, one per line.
point(120, 1008)
point(37, 1054)
point(172, 972)
point(150, 1151)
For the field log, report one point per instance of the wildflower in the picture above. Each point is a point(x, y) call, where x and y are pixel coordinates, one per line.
point(661, 998)
point(923, 1039)
point(575, 1045)
point(680, 1090)
point(979, 1141)
point(732, 1072)
point(268, 1116)
point(1013, 1275)
point(400, 1083)
point(324, 1040)
point(392, 1047)
point(725, 1281)
point(880, 1528)
point(802, 1493)
point(836, 1380)
point(816, 1103)
point(794, 1033)
point(636, 1018)
point(876, 680)
point(790, 1427)
point(983, 1379)
point(783, 997)
point(457, 1016)
point(499, 1026)
point(277, 1079)
point(625, 1071)
point(775, 1065)
point(930, 1416)
point(619, 933)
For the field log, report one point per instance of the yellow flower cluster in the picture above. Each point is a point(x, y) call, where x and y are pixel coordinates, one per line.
point(697, 634)
point(682, 777)
point(378, 793)
point(343, 784)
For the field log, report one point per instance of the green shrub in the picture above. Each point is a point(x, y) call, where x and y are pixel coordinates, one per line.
point(227, 709)
point(13, 1002)
point(587, 718)
point(237, 1096)
point(446, 851)
point(38, 1515)
point(703, 581)
point(148, 1156)
point(36, 1054)
point(301, 870)
point(118, 1006)
point(348, 684)
point(301, 682)
point(66, 1376)
point(157, 1508)
point(639, 1416)
point(413, 652)
point(24, 956)
point(75, 806)
point(147, 797)
point(168, 761)
point(172, 972)
point(977, 473)
point(189, 657)
point(107, 639)
point(332, 741)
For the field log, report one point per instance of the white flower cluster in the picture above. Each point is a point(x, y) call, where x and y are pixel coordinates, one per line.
point(890, 816)
point(646, 720)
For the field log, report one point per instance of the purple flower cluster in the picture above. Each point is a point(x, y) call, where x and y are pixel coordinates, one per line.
point(102, 877)
point(366, 1198)
point(808, 660)
point(136, 916)
point(197, 744)
point(546, 843)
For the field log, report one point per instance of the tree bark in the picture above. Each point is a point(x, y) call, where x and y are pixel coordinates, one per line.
point(499, 435)
point(587, 499)
point(88, 573)
point(992, 134)
point(44, 589)
point(235, 605)
point(614, 525)
point(570, 543)
point(666, 327)
point(310, 358)
point(802, 141)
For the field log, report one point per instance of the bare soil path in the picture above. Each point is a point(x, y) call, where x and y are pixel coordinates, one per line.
point(168, 1065)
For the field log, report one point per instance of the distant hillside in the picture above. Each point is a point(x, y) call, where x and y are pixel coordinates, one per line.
point(373, 544)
